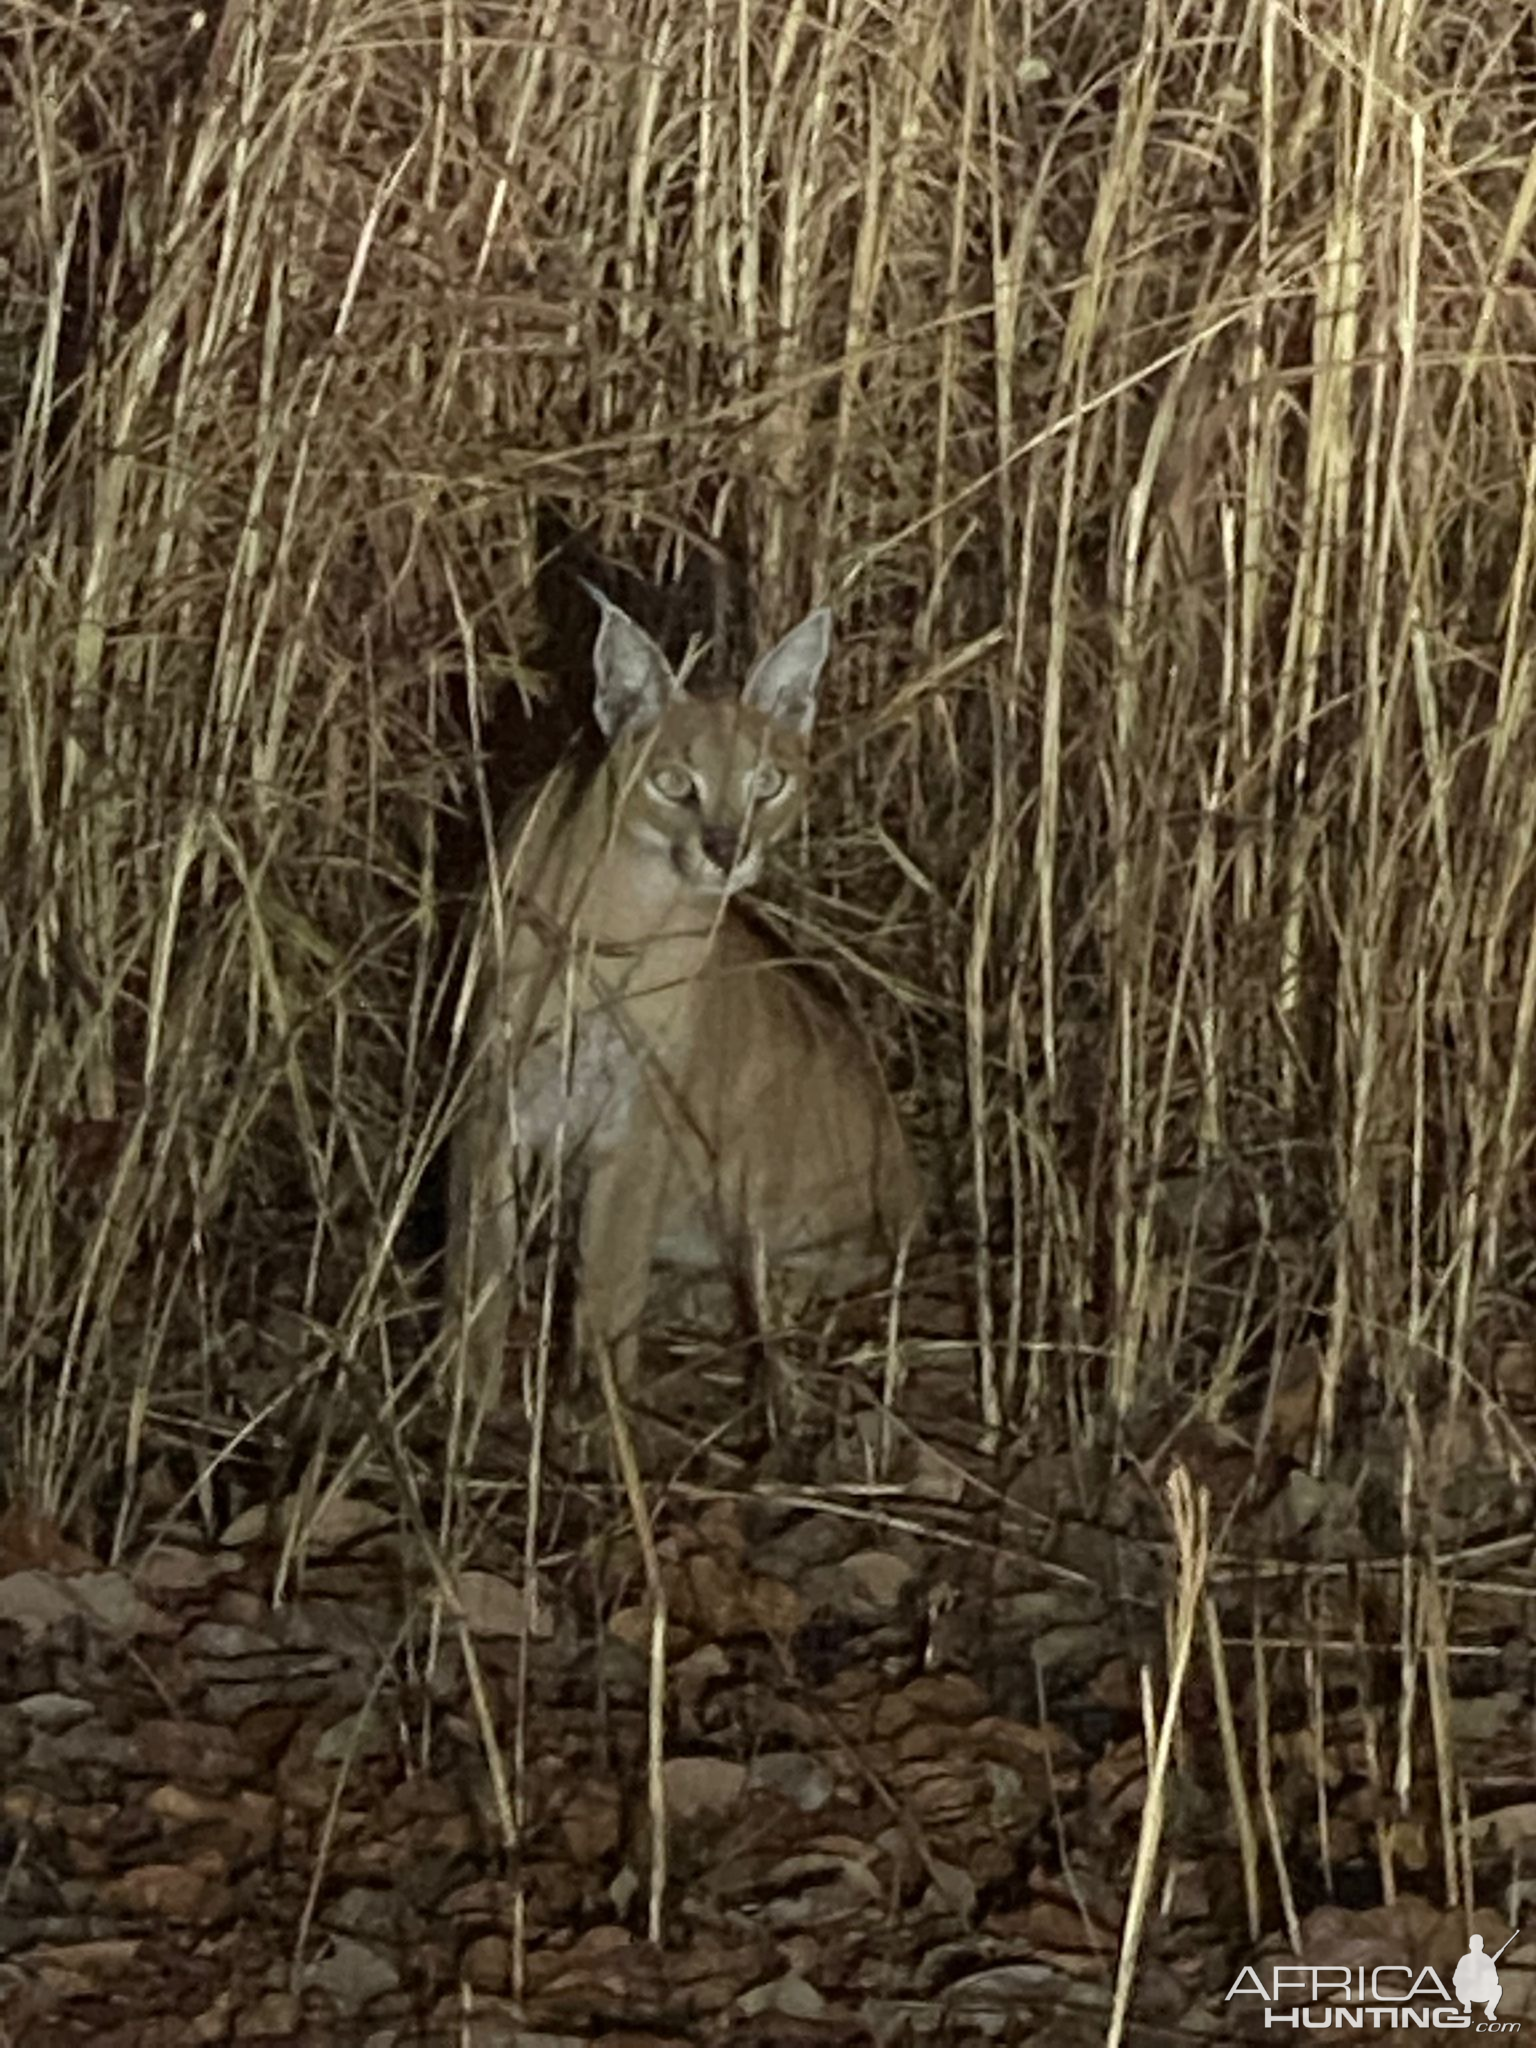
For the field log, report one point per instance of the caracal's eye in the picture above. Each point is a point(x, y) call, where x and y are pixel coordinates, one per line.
point(769, 782)
point(672, 783)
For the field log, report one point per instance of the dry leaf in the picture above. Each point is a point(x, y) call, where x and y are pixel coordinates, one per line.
point(592, 1822)
point(493, 1606)
point(275, 2016)
point(719, 1599)
point(805, 1781)
point(821, 1886)
point(702, 1785)
point(75, 1968)
point(38, 1600)
point(487, 1963)
point(197, 1751)
point(173, 1568)
point(351, 1972)
point(327, 1525)
point(941, 1696)
point(1293, 1403)
point(194, 1890)
point(693, 1676)
point(877, 1579)
point(631, 1626)
point(54, 1711)
point(29, 1539)
point(790, 1995)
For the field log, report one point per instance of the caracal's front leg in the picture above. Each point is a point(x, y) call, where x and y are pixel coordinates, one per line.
point(618, 1236)
point(483, 1231)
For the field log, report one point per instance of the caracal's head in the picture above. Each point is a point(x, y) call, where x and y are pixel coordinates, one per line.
point(708, 784)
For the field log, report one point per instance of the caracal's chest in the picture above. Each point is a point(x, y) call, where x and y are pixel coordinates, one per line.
point(615, 1026)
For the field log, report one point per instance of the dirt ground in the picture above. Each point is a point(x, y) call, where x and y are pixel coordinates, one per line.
point(927, 1712)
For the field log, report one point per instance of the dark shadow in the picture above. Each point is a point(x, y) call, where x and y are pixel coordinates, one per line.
point(524, 738)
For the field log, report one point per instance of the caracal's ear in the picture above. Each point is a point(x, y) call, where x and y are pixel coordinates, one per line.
point(785, 684)
point(634, 678)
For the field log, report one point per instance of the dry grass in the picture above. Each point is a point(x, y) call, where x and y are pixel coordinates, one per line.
point(1152, 394)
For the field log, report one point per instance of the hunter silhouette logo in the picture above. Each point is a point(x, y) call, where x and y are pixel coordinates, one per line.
point(1477, 1977)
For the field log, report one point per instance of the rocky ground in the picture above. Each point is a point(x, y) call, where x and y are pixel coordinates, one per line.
point(258, 1788)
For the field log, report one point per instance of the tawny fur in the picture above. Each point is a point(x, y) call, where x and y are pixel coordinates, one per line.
point(703, 1104)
